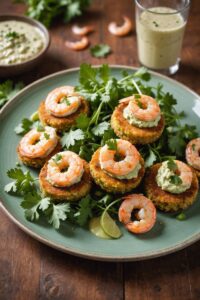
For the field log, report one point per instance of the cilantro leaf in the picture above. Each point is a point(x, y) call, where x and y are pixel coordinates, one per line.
point(48, 10)
point(70, 138)
point(82, 121)
point(84, 211)
point(58, 213)
point(171, 164)
point(112, 144)
point(46, 135)
point(8, 90)
point(24, 126)
point(150, 159)
point(23, 181)
point(101, 50)
point(175, 179)
point(87, 75)
point(100, 128)
point(104, 72)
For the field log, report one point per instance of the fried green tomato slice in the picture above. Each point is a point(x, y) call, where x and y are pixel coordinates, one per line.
point(72, 193)
point(111, 184)
point(37, 162)
point(131, 133)
point(64, 123)
point(166, 201)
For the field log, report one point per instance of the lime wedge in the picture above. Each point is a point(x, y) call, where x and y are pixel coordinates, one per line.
point(96, 229)
point(34, 117)
point(109, 226)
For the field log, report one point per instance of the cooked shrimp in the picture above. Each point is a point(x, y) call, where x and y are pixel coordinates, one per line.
point(38, 143)
point(129, 159)
point(65, 169)
point(62, 101)
point(193, 153)
point(145, 108)
point(146, 216)
point(79, 45)
point(120, 30)
point(184, 172)
point(82, 30)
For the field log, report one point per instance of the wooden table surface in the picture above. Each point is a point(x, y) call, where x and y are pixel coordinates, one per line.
point(31, 270)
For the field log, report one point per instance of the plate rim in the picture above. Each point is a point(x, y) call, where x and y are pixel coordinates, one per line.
point(93, 256)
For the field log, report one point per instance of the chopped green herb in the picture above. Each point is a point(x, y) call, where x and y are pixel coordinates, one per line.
point(66, 101)
point(40, 128)
point(57, 158)
point(12, 35)
point(8, 90)
point(46, 135)
point(193, 147)
point(155, 23)
point(101, 50)
point(139, 103)
point(112, 144)
point(181, 217)
point(172, 165)
point(175, 179)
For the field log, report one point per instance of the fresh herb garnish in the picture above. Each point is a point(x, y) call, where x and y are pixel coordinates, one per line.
point(193, 147)
point(57, 158)
point(112, 144)
point(8, 90)
point(46, 135)
point(48, 10)
point(66, 101)
point(12, 35)
point(181, 217)
point(24, 126)
point(155, 23)
point(171, 164)
point(101, 50)
point(40, 128)
point(175, 179)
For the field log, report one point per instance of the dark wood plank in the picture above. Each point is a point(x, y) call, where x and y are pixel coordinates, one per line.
point(19, 263)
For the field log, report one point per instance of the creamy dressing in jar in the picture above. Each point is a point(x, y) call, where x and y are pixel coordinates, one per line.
point(160, 33)
point(19, 42)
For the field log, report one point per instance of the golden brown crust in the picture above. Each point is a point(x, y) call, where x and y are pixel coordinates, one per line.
point(72, 193)
point(167, 201)
point(61, 123)
point(39, 161)
point(110, 184)
point(131, 133)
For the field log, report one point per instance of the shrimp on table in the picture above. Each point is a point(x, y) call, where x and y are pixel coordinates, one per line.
point(193, 153)
point(145, 215)
point(128, 159)
point(62, 101)
point(38, 143)
point(78, 45)
point(114, 29)
point(65, 169)
point(82, 30)
point(144, 108)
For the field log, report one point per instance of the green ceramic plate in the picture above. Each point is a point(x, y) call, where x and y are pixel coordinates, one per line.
point(167, 236)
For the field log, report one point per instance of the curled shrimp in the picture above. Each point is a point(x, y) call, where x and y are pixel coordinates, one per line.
point(79, 45)
point(38, 143)
point(182, 170)
point(193, 153)
point(128, 163)
point(114, 29)
point(144, 108)
point(62, 101)
point(65, 169)
point(82, 30)
point(145, 216)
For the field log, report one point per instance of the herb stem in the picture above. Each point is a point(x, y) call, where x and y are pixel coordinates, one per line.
point(137, 87)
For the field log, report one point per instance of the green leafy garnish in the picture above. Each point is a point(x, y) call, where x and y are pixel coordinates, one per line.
point(181, 217)
point(175, 179)
point(69, 138)
point(101, 50)
point(66, 101)
point(46, 135)
point(112, 144)
point(8, 90)
point(12, 35)
point(40, 128)
point(47, 10)
point(171, 164)
point(57, 158)
point(24, 126)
